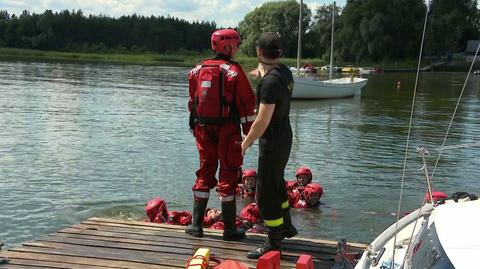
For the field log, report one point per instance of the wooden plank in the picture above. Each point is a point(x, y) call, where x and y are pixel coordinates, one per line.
point(177, 259)
point(100, 254)
point(14, 266)
point(154, 255)
point(139, 223)
point(100, 243)
point(167, 241)
point(85, 261)
point(237, 254)
point(182, 228)
point(253, 239)
point(286, 255)
point(50, 264)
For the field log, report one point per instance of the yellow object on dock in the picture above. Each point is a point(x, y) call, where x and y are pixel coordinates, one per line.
point(200, 259)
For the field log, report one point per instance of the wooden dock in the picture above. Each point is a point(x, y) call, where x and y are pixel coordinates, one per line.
point(99, 243)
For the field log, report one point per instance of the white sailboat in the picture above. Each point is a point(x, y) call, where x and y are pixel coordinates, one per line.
point(313, 88)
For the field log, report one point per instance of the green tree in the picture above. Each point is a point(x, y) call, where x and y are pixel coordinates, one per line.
point(317, 41)
point(281, 17)
point(4, 19)
point(377, 29)
point(452, 24)
point(71, 30)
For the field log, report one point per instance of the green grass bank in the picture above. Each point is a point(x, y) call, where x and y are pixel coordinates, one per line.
point(189, 59)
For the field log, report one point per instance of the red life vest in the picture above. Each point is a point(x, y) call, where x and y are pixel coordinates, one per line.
point(179, 217)
point(210, 104)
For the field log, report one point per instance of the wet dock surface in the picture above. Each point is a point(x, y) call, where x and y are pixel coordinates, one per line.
point(100, 243)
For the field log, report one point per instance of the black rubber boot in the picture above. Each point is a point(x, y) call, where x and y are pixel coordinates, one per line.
point(196, 228)
point(229, 212)
point(272, 242)
point(290, 230)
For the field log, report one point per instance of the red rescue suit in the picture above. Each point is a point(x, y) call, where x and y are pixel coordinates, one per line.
point(251, 218)
point(219, 225)
point(294, 195)
point(251, 214)
point(291, 185)
point(299, 198)
point(221, 142)
point(179, 217)
point(245, 193)
point(157, 212)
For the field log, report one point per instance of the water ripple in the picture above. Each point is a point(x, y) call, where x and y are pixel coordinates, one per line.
point(83, 140)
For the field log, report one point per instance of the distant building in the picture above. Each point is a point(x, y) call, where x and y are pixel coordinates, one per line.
point(470, 50)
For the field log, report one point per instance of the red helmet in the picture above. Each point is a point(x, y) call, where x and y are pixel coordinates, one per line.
point(157, 207)
point(313, 188)
point(249, 173)
point(304, 171)
point(221, 39)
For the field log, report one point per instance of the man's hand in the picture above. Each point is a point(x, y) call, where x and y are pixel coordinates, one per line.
point(245, 146)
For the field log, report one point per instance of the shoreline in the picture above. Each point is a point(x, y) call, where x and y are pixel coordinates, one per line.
point(190, 59)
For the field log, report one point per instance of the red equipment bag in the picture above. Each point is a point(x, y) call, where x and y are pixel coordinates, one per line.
point(210, 103)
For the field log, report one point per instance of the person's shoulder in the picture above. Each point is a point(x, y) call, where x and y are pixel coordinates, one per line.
point(272, 78)
point(233, 65)
point(284, 70)
point(194, 71)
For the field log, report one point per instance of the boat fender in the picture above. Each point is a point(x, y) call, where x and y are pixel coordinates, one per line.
point(462, 195)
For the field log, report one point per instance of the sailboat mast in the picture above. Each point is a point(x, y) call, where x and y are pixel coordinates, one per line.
point(331, 40)
point(299, 45)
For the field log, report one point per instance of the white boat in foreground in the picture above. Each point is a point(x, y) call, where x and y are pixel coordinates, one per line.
point(445, 236)
point(442, 234)
point(310, 88)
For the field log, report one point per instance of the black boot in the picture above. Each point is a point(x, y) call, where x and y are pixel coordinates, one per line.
point(290, 230)
point(272, 242)
point(229, 212)
point(196, 228)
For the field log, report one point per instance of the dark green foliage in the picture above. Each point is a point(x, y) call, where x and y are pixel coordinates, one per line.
point(317, 40)
point(365, 30)
point(378, 29)
point(453, 23)
point(72, 31)
point(281, 17)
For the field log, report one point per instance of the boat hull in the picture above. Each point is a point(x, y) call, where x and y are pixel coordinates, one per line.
point(445, 236)
point(307, 88)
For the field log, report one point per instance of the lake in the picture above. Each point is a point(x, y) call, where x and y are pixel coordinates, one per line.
point(85, 140)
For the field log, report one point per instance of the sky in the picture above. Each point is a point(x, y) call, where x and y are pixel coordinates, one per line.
point(226, 13)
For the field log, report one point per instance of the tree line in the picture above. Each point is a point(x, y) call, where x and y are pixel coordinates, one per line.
point(365, 30)
point(72, 31)
point(368, 30)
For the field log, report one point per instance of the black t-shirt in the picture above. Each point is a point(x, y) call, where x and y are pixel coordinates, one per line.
point(276, 88)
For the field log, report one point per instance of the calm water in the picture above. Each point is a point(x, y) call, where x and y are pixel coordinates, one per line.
point(84, 140)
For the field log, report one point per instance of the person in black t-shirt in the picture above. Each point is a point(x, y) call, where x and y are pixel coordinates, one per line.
point(272, 128)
